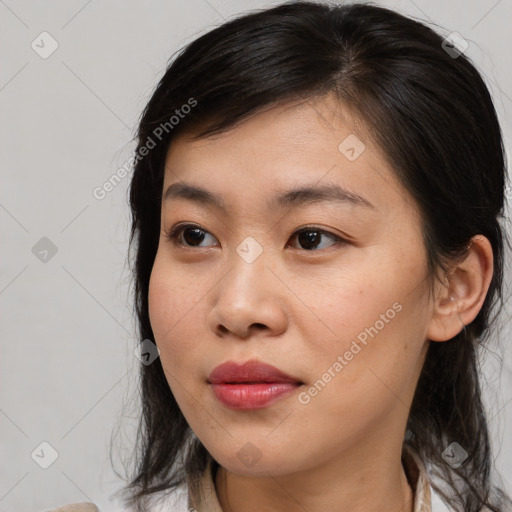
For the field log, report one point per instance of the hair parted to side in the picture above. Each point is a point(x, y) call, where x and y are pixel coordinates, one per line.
point(434, 119)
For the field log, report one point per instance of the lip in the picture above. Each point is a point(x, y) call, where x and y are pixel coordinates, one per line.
point(252, 371)
point(251, 385)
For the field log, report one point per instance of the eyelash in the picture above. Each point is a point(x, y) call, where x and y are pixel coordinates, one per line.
point(174, 233)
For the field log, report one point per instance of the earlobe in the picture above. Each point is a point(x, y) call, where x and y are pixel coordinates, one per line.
point(459, 301)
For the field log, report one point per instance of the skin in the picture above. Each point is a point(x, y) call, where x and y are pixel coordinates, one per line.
point(299, 309)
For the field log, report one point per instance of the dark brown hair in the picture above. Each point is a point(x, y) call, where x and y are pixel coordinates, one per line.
point(433, 117)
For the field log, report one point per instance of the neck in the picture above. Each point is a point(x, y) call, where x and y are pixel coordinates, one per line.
point(362, 479)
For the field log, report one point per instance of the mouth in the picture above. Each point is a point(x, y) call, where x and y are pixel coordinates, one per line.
point(252, 395)
point(252, 385)
point(253, 382)
point(250, 372)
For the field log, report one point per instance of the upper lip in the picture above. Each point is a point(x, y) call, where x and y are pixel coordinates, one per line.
point(250, 371)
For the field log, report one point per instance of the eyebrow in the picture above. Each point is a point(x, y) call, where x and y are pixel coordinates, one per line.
point(288, 199)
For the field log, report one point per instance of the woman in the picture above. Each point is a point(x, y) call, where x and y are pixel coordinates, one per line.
point(317, 203)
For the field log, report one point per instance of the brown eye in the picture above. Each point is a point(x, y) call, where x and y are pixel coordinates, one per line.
point(311, 238)
point(193, 236)
point(188, 235)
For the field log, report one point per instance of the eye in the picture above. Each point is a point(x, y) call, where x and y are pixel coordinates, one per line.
point(310, 237)
point(189, 235)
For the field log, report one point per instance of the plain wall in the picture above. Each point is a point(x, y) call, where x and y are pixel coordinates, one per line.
point(67, 123)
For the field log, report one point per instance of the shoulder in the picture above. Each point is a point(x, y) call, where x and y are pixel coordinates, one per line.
point(176, 501)
point(438, 505)
point(75, 507)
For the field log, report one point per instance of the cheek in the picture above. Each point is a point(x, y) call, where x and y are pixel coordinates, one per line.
point(376, 324)
point(171, 306)
point(357, 308)
point(169, 297)
point(161, 303)
point(375, 368)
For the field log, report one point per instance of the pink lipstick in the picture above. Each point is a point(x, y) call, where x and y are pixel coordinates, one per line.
point(252, 385)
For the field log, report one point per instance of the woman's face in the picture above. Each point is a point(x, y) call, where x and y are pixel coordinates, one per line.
point(342, 307)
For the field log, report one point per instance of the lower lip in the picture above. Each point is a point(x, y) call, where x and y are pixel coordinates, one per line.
point(252, 396)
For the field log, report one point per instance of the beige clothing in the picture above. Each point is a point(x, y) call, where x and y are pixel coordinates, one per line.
point(203, 498)
point(77, 507)
point(199, 494)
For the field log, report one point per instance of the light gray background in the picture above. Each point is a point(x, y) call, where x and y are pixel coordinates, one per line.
point(67, 339)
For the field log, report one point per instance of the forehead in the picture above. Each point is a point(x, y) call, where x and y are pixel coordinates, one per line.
point(294, 144)
point(296, 124)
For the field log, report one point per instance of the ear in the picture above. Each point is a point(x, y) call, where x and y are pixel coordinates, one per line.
point(458, 301)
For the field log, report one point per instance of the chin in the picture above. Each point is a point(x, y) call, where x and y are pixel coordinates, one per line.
point(249, 461)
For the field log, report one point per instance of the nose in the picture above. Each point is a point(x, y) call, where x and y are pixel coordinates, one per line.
point(248, 301)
